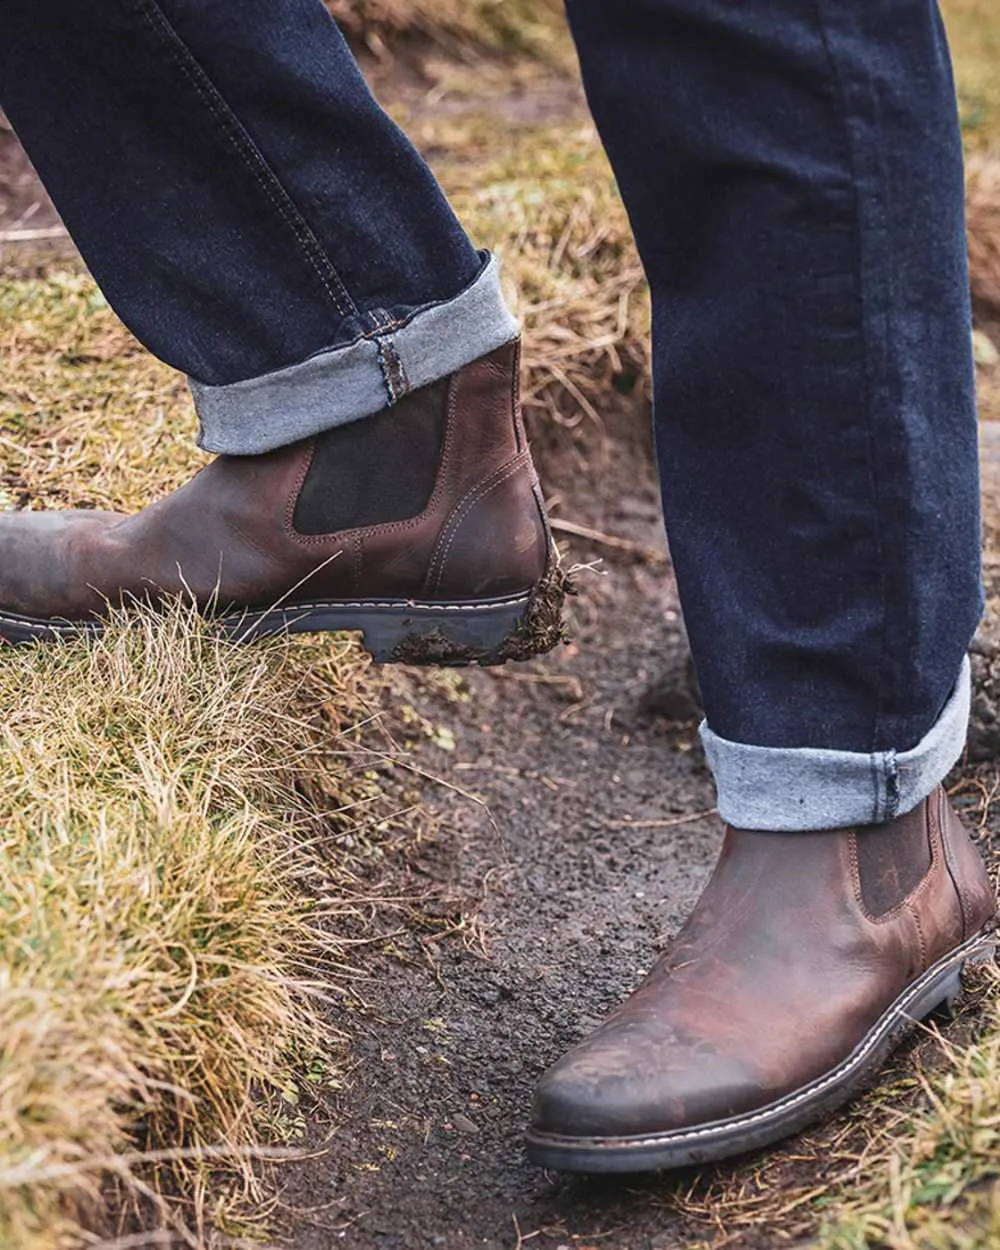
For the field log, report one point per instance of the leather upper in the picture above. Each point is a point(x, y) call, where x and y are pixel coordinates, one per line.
point(778, 974)
point(228, 535)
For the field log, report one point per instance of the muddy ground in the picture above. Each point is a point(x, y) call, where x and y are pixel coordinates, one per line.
point(573, 834)
point(573, 883)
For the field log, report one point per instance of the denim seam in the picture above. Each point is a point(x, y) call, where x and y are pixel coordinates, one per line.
point(397, 384)
point(247, 150)
point(859, 233)
point(385, 327)
point(350, 382)
point(795, 788)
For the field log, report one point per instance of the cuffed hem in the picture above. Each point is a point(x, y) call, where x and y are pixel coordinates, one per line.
point(347, 383)
point(772, 788)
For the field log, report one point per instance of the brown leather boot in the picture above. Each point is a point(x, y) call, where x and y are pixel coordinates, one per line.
point(423, 527)
point(807, 958)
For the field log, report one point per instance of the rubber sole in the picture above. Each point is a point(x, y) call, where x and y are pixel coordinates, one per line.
point(482, 631)
point(707, 1143)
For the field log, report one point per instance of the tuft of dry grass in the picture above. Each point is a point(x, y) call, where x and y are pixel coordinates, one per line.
point(88, 417)
point(931, 1176)
point(548, 206)
point(155, 908)
point(160, 797)
point(534, 28)
point(974, 36)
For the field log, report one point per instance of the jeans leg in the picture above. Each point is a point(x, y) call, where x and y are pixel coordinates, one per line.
point(247, 207)
point(793, 173)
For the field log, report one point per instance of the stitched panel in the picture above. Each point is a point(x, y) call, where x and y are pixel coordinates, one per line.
point(892, 860)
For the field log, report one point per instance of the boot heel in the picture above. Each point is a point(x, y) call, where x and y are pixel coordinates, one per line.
point(985, 953)
point(951, 990)
point(482, 633)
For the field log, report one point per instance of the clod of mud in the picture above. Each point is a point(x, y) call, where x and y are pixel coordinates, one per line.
point(542, 629)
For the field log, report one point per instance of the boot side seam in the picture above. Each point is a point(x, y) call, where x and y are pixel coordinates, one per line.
point(939, 835)
point(921, 940)
point(922, 887)
point(453, 526)
point(520, 434)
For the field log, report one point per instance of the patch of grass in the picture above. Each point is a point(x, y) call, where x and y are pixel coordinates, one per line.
point(536, 28)
point(974, 35)
point(157, 925)
point(932, 1175)
point(88, 416)
point(162, 797)
point(547, 204)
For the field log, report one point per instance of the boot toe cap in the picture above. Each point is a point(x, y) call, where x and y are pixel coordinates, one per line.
point(609, 1095)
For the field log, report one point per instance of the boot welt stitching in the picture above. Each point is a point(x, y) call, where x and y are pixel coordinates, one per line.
point(486, 605)
point(888, 1018)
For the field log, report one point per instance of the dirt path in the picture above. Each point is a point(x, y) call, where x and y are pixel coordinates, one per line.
point(574, 906)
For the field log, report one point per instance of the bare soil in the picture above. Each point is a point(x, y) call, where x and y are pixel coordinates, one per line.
point(573, 883)
point(24, 206)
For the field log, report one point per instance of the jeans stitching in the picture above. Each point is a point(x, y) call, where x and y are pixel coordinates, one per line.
point(251, 156)
point(869, 391)
point(397, 384)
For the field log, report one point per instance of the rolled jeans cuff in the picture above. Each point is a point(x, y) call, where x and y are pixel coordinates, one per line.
point(798, 789)
point(359, 379)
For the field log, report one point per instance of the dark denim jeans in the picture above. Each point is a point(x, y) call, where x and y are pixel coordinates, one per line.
point(793, 174)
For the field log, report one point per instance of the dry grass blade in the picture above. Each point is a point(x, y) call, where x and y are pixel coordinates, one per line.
point(157, 928)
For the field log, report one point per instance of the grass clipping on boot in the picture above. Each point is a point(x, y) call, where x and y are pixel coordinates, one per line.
point(155, 917)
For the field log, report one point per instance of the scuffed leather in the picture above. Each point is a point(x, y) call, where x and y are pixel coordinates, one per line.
point(777, 975)
point(227, 537)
